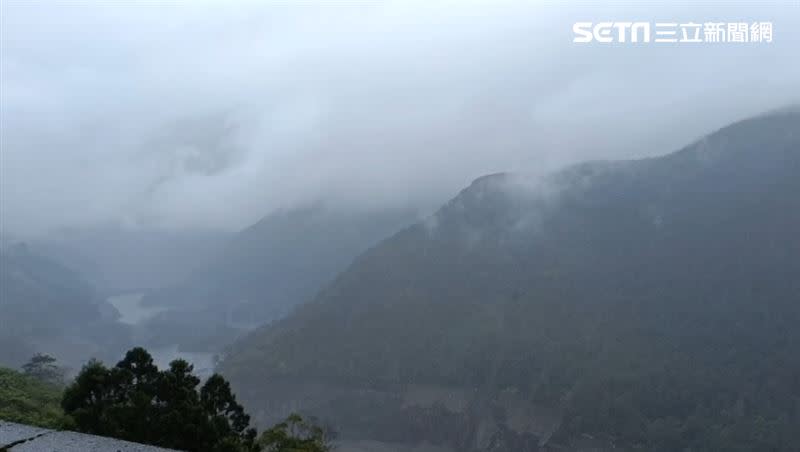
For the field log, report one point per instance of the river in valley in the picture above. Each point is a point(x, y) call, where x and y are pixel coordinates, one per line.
point(132, 312)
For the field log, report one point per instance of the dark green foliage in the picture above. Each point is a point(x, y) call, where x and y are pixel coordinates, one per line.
point(227, 417)
point(29, 401)
point(295, 435)
point(135, 401)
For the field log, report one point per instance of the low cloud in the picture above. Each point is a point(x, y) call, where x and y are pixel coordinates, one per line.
point(201, 115)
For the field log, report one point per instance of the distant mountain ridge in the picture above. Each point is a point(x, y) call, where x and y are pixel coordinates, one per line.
point(266, 269)
point(639, 303)
point(47, 307)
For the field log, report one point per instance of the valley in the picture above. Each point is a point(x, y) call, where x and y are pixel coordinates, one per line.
point(134, 313)
point(397, 226)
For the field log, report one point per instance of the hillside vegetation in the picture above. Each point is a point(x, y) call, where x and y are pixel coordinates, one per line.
point(265, 270)
point(26, 400)
point(48, 306)
point(647, 304)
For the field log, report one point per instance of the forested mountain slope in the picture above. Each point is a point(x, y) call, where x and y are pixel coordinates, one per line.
point(649, 304)
point(265, 270)
point(45, 306)
point(280, 261)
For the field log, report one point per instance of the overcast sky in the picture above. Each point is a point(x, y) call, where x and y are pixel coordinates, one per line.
point(210, 115)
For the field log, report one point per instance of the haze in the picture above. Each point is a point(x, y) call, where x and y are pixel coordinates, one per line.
point(211, 116)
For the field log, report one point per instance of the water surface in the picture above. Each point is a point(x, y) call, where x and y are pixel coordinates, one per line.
point(130, 308)
point(132, 312)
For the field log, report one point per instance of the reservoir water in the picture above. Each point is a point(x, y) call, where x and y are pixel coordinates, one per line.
point(132, 312)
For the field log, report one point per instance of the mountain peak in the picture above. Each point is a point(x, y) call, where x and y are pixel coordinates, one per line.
point(551, 300)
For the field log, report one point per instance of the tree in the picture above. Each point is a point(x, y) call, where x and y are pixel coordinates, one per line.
point(43, 368)
point(226, 416)
point(182, 417)
point(295, 435)
point(135, 401)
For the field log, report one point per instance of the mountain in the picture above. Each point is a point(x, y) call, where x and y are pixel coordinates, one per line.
point(265, 270)
point(635, 305)
point(117, 259)
point(49, 308)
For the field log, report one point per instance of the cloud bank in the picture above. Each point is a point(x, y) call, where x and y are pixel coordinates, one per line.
point(207, 115)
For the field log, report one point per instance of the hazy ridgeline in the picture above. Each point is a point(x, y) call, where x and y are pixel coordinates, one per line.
point(638, 304)
point(426, 227)
point(647, 304)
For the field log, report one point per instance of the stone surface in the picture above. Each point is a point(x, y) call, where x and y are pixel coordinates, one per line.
point(24, 438)
point(11, 432)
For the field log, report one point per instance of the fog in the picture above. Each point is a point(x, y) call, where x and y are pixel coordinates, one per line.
point(211, 116)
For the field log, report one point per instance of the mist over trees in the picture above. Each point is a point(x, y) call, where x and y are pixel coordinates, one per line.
point(44, 368)
point(265, 270)
point(425, 226)
point(46, 306)
point(648, 304)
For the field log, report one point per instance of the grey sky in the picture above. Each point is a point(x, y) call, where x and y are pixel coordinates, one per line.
point(204, 115)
